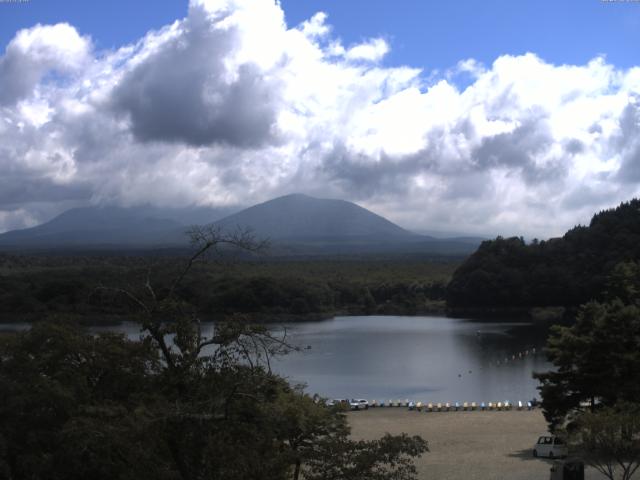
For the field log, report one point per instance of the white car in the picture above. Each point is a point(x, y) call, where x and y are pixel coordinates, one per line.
point(550, 446)
point(358, 404)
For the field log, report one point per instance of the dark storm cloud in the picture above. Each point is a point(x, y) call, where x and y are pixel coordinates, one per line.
point(184, 92)
point(517, 150)
point(18, 189)
point(585, 196)
point(365, 177)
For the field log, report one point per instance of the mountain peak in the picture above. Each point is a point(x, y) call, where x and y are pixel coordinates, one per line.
point(300, 216)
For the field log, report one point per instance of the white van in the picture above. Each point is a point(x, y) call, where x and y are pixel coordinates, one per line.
point(550, 446)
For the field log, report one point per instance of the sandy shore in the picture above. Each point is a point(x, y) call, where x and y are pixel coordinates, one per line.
point(466, 445)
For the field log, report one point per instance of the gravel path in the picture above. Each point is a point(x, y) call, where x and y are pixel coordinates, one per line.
point(466, 445)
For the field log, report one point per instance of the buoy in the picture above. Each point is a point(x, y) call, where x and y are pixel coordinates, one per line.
point(430, 407)
point(473, 405)
point(447, 406)
point(457, 406)
point(419, 406)
point(499, 406)
point(519, 404)
point(465, 406)
point(483, 406)
point(439, 406)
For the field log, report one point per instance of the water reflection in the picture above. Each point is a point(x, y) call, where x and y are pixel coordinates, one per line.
point(422, 358)
point(435, 359)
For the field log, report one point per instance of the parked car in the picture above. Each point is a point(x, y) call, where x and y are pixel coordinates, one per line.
point(358, 404)
point(550, 446)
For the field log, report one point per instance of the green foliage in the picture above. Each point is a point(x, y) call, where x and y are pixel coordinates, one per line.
point(567, 271)
point(71, 399)
point(386, 458)
point(624, 283)
point(32, 288)
point(609, 439)
point(78, 406)
point(181, 403)
point(596, 359)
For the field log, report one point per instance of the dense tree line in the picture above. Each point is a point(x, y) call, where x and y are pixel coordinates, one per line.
point(36, 287)
point(566, 271)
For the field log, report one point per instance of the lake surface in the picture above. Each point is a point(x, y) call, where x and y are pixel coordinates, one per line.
point(421, 358)
point(433, 359)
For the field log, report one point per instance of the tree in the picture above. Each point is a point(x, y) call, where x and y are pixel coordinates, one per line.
point(75, 405)
point(179, 404)
point(391, 457)
point(624, 283)
point(609, 439)
point(597, 361)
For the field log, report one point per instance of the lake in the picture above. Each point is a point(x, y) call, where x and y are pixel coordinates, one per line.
point(433, 359)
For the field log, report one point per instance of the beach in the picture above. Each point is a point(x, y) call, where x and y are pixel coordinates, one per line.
point(470, 445)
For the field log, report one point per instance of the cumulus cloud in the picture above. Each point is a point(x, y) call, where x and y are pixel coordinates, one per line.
point(36, 51)
point(372, 51)
point(189, 83)
point(230, 105)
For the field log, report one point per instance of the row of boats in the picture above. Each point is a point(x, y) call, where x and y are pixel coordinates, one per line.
point(464, 406)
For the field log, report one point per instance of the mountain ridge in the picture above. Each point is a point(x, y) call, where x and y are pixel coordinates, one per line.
point(296, 224)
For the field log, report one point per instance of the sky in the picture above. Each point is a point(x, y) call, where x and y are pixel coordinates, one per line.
point(495, 117)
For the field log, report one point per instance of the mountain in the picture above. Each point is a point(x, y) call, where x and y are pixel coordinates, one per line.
point(299, 217)
point(296, 225)
point(300, 225)
point(112, 226)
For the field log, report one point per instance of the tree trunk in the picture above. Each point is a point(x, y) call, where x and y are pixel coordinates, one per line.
point(296, 472)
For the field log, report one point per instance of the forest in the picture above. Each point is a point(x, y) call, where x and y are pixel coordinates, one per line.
point(511, 274)
point(35, 287)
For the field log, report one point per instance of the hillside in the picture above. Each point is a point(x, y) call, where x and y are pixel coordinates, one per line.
point(566, 271)
point(297, 225)
point(120, 226)
point(300, 217)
